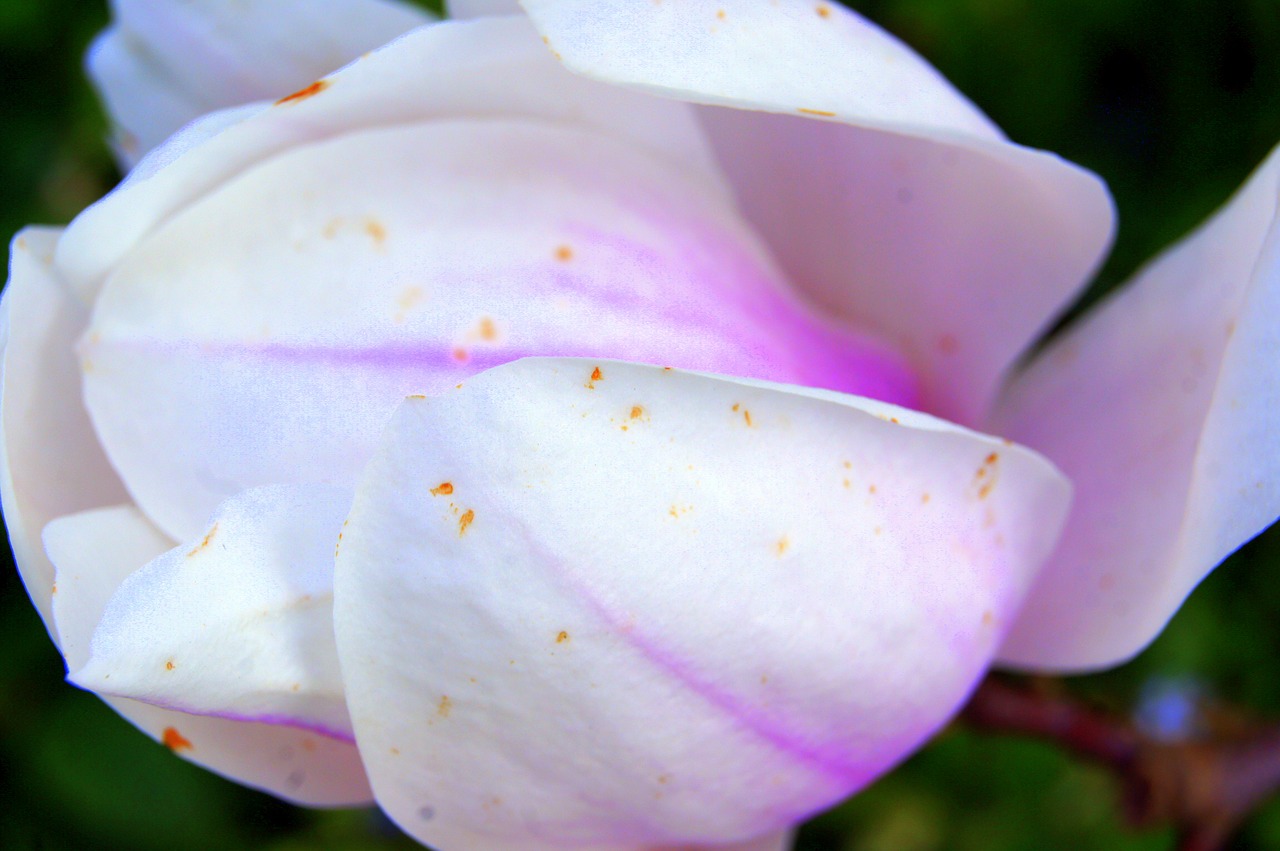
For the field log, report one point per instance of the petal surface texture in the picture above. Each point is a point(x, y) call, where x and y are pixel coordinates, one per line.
point(1163, 406)
point(162, 64)
point(229, 352)
point(94, 552)
point(238, 624)
point(885, 195)
point(51, 463)
point(457, 69)
point(677, 609)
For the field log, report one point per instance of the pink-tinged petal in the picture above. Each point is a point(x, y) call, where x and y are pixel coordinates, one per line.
point(885, 195)
point(237, 624)
point(163, 64)
point(463, 9)
point(601, 605)
point(95, 552)
point(50, 461)
point(1163, 406)
point(455, 69)
point(229, 352)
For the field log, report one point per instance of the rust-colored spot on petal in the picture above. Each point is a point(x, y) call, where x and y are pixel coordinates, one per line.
point(207, 538)
point(564, 253)
point(487, 330)
point(637, 412)
point(562, 637)
point(984, 480)
point(169, 665)
point(746, 416)
point(376, 231)
point(460, 355)
point(175, 741)
point(720, 14)
point(823, 10)
point(445, 488)
point(596, 374)
point(821, 112)
point(784, 544)
point(445, 707)
point(924, 498)
point(302, 94)
point(54, 590)
point(988, 618)
point(464, 521)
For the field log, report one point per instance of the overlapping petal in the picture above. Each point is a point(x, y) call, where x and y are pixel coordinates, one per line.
point(50, 461)
point(163, 64)
point(493, 67)
point(1163, 406)
point(95, 552)
point(238, 624)
point(886, 196)
point(635, 607)
point(230, 352)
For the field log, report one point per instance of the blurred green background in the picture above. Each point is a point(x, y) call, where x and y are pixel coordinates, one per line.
point(1173, 103)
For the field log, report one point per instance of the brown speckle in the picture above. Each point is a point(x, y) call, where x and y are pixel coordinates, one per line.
point(823, 10)
point(175, 741)
point(821, 112)
point(720, 14)
point(988, 618)
point(596, 375)
point(54, 590)
point(444, 488)
point(376, 231)
point(746, 416)
point(302, 94)
point(924, 498)
point(464, 521)
point(207, 538)
point(984, 480)
point(564, 253)
point(445, 707)
point(169, 665)
point(460, 355)
point(784, 544)
point(562, 637)
point(487, 330)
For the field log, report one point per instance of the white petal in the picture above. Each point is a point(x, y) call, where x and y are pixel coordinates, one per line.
point(163, 64)
point(1163, 406)
point(593, 604)
point(50, 463)
point(888, 198)
point(232, 351)
point(238, 624)
point(456, 69)
point(463, 9)
point(94, 553)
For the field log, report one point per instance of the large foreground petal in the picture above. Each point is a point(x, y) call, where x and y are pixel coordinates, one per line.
point(50, 460)
point(238, 624)
point(586, 604)
point(94, 552)
point(885, 195)
point(163, 64)
point(1163, 407)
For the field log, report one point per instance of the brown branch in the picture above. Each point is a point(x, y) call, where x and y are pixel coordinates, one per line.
point(1204, 787)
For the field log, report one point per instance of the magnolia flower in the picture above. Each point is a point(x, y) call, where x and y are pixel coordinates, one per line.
point(559, 429)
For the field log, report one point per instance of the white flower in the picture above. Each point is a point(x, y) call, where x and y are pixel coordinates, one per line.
point(579, 601)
